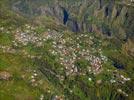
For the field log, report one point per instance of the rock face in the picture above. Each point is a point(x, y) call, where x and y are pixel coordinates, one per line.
point(112, 18)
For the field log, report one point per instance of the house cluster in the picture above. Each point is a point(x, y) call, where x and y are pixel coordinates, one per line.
point(29, 35)
point(96, 64)
point(4, 75)
point(1, 29)
point(33, 78)
point(41, 97)
point(118, 77)
point(5, 30)
point(67, 47)
point(56, 97)
point(69, 50)
point(122, 92)
point(25, 38)
point(7, 49)
point(122, 79)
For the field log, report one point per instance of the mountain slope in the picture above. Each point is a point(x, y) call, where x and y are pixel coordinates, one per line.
point(66, 50)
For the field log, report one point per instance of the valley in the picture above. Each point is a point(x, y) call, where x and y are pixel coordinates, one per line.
point(66, 50)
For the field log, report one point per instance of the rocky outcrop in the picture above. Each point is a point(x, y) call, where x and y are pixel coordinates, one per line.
point(112, 18)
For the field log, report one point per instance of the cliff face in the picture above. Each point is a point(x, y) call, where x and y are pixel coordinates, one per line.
point(112, 18)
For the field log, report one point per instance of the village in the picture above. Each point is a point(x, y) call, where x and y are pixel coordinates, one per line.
point(76, 54)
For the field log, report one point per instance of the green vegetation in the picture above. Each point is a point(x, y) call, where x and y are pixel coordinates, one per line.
point(40, 59)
